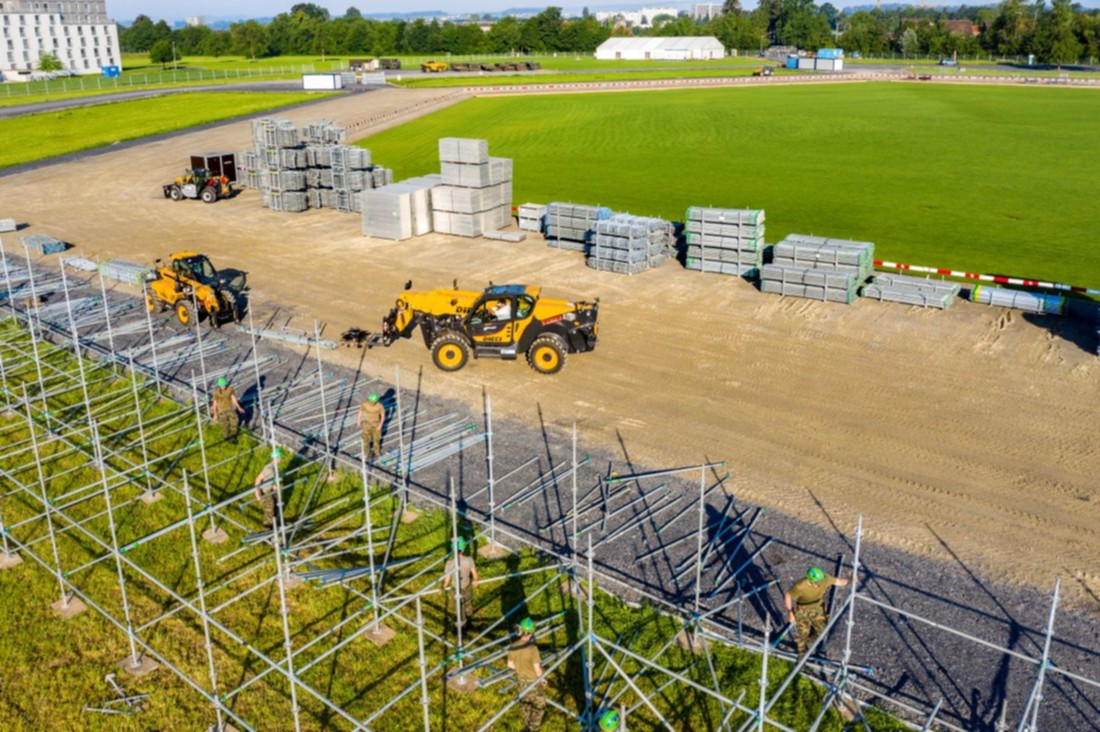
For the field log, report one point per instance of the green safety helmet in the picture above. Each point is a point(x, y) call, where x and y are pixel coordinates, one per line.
point(460, 544)
point(222, 381)
point(277, 454)
point(373, 397)
point(526, 626)
point(816, 574)
point(609, 720)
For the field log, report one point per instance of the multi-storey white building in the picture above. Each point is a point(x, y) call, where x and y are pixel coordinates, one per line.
point(706, 11)
point(78, 32)
point(641, 18)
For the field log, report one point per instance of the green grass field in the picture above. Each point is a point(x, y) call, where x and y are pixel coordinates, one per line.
point(85, 128)
point(53, 667)
point(982, 179)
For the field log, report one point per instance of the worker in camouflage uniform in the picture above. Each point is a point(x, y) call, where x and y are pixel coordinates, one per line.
point(371, 417)
point(225, 408)
point(524, 659)
point(467, 580)
point(267, 487)
point(805, 602)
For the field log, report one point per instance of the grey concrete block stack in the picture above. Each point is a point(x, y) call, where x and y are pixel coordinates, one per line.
point(476, 191)
point(629, 244)
point(910, 290)
point(532, 217)
point(724, 240)
point(572, 226)
point(297, 169)
point(399, 211)
point(818, 268)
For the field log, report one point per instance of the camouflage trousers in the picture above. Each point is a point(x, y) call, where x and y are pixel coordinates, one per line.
point(229, 423)
point(533, 706)
point(809, 622)
point(372, 442)
point(267, 501)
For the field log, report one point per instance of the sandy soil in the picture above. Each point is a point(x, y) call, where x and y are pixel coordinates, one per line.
point(974, 428)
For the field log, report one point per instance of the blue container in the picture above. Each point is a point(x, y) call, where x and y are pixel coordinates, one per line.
point(832, 53)
point(111, 72)
point(792, 62)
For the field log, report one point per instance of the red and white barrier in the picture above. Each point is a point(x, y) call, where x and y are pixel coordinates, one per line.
point(999, 279)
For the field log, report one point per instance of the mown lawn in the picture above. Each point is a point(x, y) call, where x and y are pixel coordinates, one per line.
point(73, 130)
point(992, 179)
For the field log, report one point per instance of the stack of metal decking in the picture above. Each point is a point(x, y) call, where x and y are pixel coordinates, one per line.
point(43, 243)
point(308, 168)
point(1032, 302)
point(629, 244)
point(921, 291)
point(532, 217)
point(401, 210)
point(818, 268)
point(725, 240)
point(476, 191)
point(123, 271)
point(572, 226)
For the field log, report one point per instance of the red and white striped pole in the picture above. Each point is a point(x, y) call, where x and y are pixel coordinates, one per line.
point(999, 279)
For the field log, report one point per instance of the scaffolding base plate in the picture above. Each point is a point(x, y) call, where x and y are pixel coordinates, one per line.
point(409, 515)
point(226, 727)
point(69, 607)
point(381, 635)
point(143, 666)
point(215, 536)
point(463, 683)
point(290, 581)
point(574, 589)
point(690, 641)
point(7, 414)
point(150, 498)
point(493, 551)
point(8, 561)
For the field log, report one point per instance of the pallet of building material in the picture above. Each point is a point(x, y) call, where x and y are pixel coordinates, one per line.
point(816, 284)
point(736, 269)
point(315, 198)
point(458, 224)
point(320, 156)
point(398, 211)
point(509, 236)
point(531, 217)
point(725, 231)
point(568, 244)
point(346, 157)
point(463, 150)
point(918, 285)
point(572, 221)
point(382, 176)
point(284, 180)
point(43, 244)
point(288, 201)
point(931, 298)
point(324, 132)
point(81, 263)
point(293, 159)
point(1032, 302)
point(120, 270)
point(832, 254)
point(467, 175)
point(714, 254)
point(707, 241)
point(275, 132)
point(737, 216)
point(7, 225)
point(500, 170)
point(607, 265)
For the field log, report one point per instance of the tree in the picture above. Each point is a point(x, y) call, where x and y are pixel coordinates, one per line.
point(1055, 38)
point(216, 44)
point(353, 13)
point(735, 32)
point(49, 62)
point(162, 52)
point(139, 36)
point(731, 7)
point(830, 13)
point(311, 10)
point(505, 36)
point(250, 39)
point(910, 42)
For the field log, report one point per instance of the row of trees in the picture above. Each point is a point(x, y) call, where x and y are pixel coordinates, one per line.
point(1058, 33)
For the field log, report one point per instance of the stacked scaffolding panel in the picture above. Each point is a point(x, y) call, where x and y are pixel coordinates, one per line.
point(43, 243)
point(476, 191)
point(572, 226)
point(308, 168)
point(629, 244)
point(817, 252)
point(1032, 302)
point(814, 284)
point(399, 211)
point(725, 241)
point(921, 291)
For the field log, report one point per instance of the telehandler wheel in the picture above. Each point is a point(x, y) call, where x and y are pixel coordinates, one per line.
point(184, 313)
point(175, 193)
point(208, 195)
point(450, 351)
point(547, 354)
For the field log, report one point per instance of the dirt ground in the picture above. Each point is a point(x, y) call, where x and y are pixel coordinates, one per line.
point(973, 429)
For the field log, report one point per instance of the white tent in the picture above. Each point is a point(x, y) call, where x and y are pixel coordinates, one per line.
point(671, 48)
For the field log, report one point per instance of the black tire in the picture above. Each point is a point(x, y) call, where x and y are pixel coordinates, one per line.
point(547, 354)
point(450, 351)
point(175, 193)
point(208, 195)
point(184, 313)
